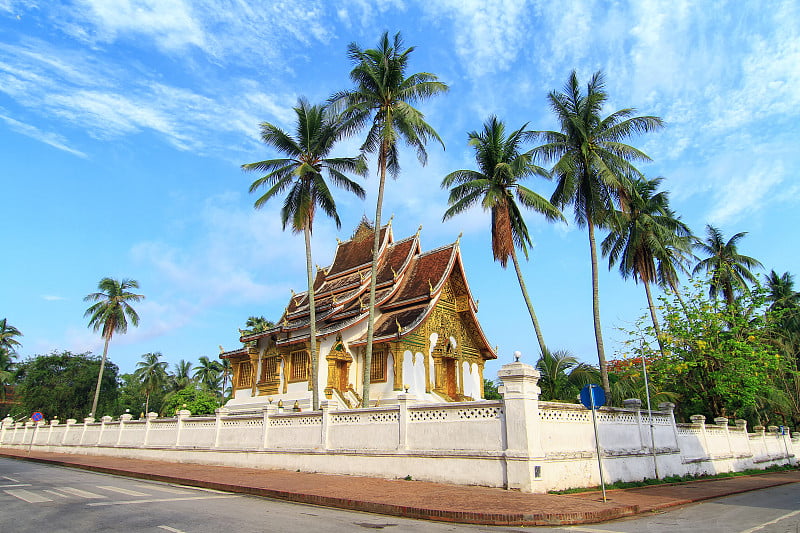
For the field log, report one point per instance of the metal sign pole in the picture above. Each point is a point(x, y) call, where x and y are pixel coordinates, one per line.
point(597, 443)
point(650, 417)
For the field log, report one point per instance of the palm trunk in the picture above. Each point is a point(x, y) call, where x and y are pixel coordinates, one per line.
point(313, 317)
point(677, 294)
point(535, 320)
point(653, 316)
point(373, 275)
point(598, 333)
point(100, 378)
point(147, 403)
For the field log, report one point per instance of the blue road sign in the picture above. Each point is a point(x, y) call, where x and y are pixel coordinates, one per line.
point(37, 416)
point(593, 396)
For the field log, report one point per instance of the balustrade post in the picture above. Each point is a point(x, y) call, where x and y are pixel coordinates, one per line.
point(699, 421)
point(219, 412)
point(636, 404)
point(522, 424)
point(148, 426)
point(70, 422)
point(122, 421)
point(86, 421)
point(4, 428)
point(53, 424)
point(404, 399)
point(327, 406)
point(268, 411)
point(723, 422)
point(103, 421)
point(182, 414)
point(669, 407)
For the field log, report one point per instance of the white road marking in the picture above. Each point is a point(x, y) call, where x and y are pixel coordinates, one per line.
point(163, 489)
point(771, 522)
point(80, 493)
point(121, 490)
point(10, 479)
point(160, 500)
point(589, 530)
point(27, 496)
point(171, 529)
point(15, 485)
point(55, 493)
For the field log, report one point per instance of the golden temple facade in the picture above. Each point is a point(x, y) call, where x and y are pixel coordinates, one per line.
point(427, 341)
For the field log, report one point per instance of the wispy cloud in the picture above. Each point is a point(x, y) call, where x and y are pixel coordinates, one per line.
point(52, 298)
point(53, 139)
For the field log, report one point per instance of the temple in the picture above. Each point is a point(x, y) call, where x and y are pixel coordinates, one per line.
point(427, 338)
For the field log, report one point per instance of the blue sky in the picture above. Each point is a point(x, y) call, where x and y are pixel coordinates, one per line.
point(124, 125)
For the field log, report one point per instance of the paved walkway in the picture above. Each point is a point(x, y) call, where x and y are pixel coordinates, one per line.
point(418, 499)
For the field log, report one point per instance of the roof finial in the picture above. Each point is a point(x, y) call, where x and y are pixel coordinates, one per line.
point(394, 273)
point(460, 234)
point(338, 241)
point(390, 220)
point(334, 300)
point(418, 230)
point(399, 327)
point(221, 350)
point(285, 322)
point(430, 286)
point(292, 291)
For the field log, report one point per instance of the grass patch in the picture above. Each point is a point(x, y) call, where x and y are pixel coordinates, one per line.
point(646, 482)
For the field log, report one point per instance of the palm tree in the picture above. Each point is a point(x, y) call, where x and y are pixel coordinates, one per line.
point(111, 314)
point(383, 98)
point(152, 373)
point(182, 377)
point(501, 166)
point(781, 291)
point(7, 341)
point(302, 173)
point(225, 365)
point(729, 269)
point(207, 374)
point(592, 166)
point(6, 371)
point(257, 324)
point(562, 375)
point(644, 236)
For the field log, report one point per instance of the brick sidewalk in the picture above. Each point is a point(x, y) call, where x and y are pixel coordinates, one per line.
point(418, 499)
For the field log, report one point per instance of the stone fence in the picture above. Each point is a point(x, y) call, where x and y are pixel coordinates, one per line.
point(517, 442)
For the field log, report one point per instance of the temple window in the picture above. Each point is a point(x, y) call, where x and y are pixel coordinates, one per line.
point(378, 366)
point(270, 368)
point(245, 375)
point(299, 366)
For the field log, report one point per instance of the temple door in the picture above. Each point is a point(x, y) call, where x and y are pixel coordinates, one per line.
point(342, 374)
point(450, 377)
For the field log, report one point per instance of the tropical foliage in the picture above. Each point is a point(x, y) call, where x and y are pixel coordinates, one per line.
point(502, 165)
point(729, 270)
point(110, 314)
point(302, 174)
point(592, 166)
point(563, 376)
point(383, 100)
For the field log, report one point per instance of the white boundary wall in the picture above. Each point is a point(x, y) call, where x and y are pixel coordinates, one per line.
point(517, 443)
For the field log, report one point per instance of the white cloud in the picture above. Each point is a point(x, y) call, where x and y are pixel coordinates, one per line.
point(740, 194)
point(53, 139)
point(52, 298)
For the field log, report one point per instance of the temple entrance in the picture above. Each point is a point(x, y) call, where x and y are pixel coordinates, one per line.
point(342, 371)
point(449, 375)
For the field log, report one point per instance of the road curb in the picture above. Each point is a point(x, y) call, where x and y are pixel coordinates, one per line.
point(439, 515)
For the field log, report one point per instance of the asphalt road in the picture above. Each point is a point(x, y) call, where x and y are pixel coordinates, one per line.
point(44, 498)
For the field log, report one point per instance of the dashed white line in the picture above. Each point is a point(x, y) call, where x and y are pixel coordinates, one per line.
point(771, 522)
point(122, 491)
point(15, 485)
point(27, 496)
point(80, 493)
point(10, 479)
point(171, 529)
point(160, 500)
point(55, 493)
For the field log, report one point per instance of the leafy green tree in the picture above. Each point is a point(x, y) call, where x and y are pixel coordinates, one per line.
point(131, 397)
point(7, 372)
point(729, 270)
point(720, 361)
point(383, 99)
point(496, 185)
point(303, 173)
point(60, 384)
point(152, 372)
point(643, 234)
point(197, 401)
point(490, 390)
point(562, 375)
point(111, 314)
point(592, 166)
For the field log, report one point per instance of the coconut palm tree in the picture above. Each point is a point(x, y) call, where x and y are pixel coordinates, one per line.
point(302, 173)
point(781, 291)
point(182, 377)
point(152, 373)
point(111, 314)
point(501, 166)
point(562, 375)
point(8, 342)
point(383, 99)
point(7, 372)
point(257, 324)
point(592, 166)
point(644, 235)
point(207, 374)
point(729, 269)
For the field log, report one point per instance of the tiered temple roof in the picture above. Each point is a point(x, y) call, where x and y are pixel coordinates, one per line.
point(409, 283)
